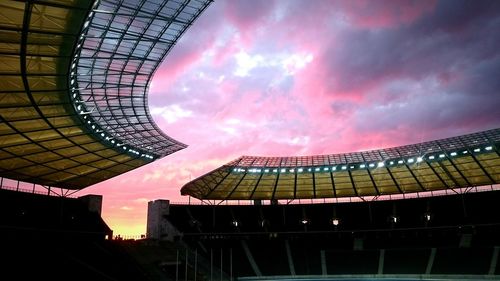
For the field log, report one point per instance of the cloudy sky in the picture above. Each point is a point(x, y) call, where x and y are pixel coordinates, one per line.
point(308, 77)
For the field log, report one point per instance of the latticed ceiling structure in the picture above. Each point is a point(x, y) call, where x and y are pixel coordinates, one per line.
point(74, 77)
point(463, 161)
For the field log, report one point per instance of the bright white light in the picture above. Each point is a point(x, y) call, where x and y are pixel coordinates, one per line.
point(477, 150)
point(235, 223)
point(79, 107)
point(489, 148)
point(266, 171)
point(371, 165)
point(411, 160)
point(86, 23)
point(465, 152)
point(316, 169)
point(431, 157)
point(112, 141)
point(309, 170)
point(400, 162)
point(391, 163)
point(427, 217)
point(292, 170)
point(245, 63)
point(325, 169)
point(352, 167)
point(453, 154)
point(304, 221)
point(380, 164)
point(300, 170)
point(362, 166)
point(334, 168)
point(442, 155)
point(419, 159)
point(275, 170)
point(335, 222)
point(344, 167)
point(102, 135)
point(283, 170)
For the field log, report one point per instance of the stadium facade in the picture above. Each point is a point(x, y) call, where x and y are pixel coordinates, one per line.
point(74, 83)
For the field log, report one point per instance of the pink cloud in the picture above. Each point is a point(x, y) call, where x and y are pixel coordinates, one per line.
point(369, 14)
point(408, 81)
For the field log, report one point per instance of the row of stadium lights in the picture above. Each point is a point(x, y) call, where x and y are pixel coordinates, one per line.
point(78, 104)
point(360, 166)
point(336, 221)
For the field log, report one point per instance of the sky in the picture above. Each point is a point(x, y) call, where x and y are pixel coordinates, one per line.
point(307, 77)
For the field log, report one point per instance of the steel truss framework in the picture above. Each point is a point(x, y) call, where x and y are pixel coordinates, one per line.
point(457, 162)
point(43, 139)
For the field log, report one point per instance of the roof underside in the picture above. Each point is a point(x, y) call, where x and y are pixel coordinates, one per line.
point(43, 138)
point(464, 161)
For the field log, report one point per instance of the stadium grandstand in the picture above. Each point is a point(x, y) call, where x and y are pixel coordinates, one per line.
point(415, 212)
point(74, 79)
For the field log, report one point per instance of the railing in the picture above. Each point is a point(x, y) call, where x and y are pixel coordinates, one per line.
point(422, 194)
point(36, 189)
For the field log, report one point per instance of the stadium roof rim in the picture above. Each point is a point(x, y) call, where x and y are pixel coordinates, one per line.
point(456, 162)
point(74, 82)
point(361, 151)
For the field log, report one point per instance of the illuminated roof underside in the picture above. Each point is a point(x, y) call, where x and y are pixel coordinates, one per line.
point(464, 161)
point(74, 78)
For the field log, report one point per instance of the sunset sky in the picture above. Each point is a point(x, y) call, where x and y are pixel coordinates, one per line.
point(280, 78)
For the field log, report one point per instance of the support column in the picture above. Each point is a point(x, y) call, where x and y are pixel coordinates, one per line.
point(381, 258)
point(290, 258)
point(252, 262)
point(430, 263)
point(323, 262)
point(494, 260)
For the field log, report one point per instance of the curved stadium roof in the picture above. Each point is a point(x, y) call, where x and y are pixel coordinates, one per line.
point(73, 82)
point(463, 161)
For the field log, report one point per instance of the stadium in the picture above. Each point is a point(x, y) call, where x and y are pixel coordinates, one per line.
point(75, 76)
